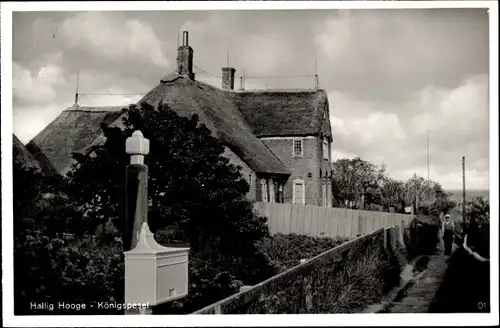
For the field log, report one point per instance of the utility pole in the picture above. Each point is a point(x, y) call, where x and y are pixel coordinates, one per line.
point(463, 187)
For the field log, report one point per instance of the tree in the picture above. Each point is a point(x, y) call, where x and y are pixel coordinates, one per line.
point(47, 266)
point(191, 186)
point(478, 209)
point(429, 195)
point(392, 193)
point(354, 178)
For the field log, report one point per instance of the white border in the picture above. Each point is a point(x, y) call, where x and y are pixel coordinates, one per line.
point(230, 320)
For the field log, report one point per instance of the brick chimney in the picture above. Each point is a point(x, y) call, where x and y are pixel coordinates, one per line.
point(185, 57)
point(228, 78)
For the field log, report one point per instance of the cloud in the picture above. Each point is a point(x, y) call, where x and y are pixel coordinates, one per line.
point(114, 39)
point(40, 96)
point(261, 53)
point(29, 120)
point(36, 87)
point(387, 54)
point(457, 119)
point(466, 106)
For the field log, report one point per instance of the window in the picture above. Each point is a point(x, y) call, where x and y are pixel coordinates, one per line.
point(325, 149)
point(297, 148)
point(299, 192)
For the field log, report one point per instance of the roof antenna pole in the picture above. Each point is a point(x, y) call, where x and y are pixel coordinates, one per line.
point(76, 93)
point(316, 79)
point(241, 83)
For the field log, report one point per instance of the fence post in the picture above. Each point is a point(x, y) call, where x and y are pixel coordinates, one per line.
point(245, 288)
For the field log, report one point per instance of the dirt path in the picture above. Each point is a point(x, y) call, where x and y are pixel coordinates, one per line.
point(420, 291)
point(420, 281)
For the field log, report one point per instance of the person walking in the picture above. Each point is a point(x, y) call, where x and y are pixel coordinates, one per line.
point(448, 230)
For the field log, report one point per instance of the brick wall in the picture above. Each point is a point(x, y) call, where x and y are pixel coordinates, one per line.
point(246, 171)
point(301, 166)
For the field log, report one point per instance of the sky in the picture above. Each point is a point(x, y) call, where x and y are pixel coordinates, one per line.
point(390, 75)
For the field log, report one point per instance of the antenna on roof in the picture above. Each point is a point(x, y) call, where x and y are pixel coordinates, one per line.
point(76, 93)
point(316, 79)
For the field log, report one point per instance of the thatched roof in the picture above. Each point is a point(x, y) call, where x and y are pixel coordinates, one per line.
point(236, 118)
point(72, 131)
point(218, 112)
point(283, 113)
point(23, 156)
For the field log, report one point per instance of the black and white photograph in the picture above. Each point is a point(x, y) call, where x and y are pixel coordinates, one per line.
point(250, 157)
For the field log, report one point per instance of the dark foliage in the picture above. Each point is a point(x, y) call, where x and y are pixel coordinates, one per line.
point(191, 187)
point(52, 267)
point(343, 282)
point(423, 236)
point(286, 251)
point(465, 287)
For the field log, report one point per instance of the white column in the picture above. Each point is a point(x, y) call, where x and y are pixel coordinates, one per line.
point(263, 188)
point(272, 194)
point(329, 193)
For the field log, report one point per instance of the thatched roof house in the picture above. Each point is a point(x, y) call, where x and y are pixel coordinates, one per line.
point(240, 120)
point(73, 130)
point(23, 156)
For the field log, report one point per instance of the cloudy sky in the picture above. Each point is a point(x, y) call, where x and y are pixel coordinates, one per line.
point(390, 75)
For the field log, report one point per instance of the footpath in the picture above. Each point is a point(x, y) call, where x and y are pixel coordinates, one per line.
point(420, 281)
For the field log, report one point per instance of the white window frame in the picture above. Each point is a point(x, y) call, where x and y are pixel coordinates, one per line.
point(301, 147)
point(326, 153)
point(295, 183)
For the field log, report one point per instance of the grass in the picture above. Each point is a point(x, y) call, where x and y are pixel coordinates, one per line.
point(356, 278)
point(365, 280)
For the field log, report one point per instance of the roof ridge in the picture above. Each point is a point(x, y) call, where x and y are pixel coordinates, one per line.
point(280, 91)
point(94, 109)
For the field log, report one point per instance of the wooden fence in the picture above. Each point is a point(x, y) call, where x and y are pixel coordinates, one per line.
point(316, 221)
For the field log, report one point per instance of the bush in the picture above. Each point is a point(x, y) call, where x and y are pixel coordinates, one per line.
point(346, 283)
point(286, 251)
point(465, 285)
point(422, 238)
point(55, 270)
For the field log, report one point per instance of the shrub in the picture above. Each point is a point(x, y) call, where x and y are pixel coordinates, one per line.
point(286, 251)
point(347, 283)
point(422, 237)
point(55, 270)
